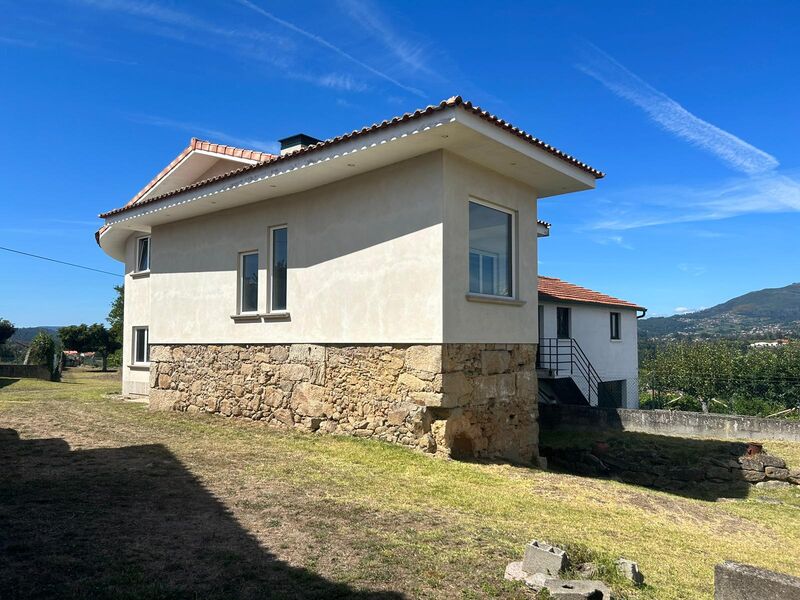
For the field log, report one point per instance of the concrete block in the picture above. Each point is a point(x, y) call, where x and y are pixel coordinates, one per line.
point(577, 589)
point(544, 558)
point(630, 570)
point(735, 581)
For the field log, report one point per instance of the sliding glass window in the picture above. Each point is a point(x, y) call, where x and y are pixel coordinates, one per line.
point(491, 248)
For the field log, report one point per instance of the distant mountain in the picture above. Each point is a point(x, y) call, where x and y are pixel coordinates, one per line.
point(762, 314)
point(24, 335)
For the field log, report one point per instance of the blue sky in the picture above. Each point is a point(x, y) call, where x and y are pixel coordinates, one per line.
point(692, 110)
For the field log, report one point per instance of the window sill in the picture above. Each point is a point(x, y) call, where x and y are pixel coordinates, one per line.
point(282, 315)
point(616, 341)
point(495, 300)
point(140, 366)
point(246, 318)
point(140, 274)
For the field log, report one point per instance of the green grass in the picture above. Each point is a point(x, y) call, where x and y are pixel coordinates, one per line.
point(172, 494)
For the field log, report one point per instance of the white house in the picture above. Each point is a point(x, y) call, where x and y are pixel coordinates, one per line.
point(588, 346)
point(381, 283)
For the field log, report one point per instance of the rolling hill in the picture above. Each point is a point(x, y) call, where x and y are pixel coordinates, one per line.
point(765, 313)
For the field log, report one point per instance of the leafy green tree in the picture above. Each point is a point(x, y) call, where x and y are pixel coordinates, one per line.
point(7, 329)
point(42, 351)
point(89, 338)
point(116, 314)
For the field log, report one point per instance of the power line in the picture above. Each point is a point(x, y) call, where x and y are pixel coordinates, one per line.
point(59, 261)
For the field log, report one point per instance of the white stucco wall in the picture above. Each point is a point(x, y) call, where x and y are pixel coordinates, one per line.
point(136, 379)
point(474, 322)
point(613, 359)
point(364, 264)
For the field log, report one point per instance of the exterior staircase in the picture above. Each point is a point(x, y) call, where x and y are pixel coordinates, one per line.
point(566, 375)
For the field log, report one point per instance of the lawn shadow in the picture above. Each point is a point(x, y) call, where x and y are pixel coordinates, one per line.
point(689, 467)
point(130, 522)
point(6, 381)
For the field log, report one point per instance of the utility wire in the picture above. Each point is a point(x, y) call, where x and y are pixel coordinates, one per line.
point(59, 261)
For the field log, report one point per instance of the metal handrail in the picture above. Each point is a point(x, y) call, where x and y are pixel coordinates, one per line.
point(569, 352)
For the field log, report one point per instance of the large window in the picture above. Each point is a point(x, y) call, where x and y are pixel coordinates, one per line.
point(143, 254)
point(141, 346)
point(248, 282)
point(491, 249)
point(279, 245)
point(563, 323)
point(615, 326)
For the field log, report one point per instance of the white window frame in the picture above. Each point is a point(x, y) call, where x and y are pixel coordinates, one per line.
point(513, 257)
point(135, 354)
point(139, 241)
point(240, 287)
point(611, 326)
point(271, 269)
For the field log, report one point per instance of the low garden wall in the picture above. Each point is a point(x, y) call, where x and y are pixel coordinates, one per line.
point(25, 371)
point(561, 417)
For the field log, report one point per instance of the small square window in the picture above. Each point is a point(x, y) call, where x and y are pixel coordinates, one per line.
point(143, 254)
point(141, 346)
point(615, 326)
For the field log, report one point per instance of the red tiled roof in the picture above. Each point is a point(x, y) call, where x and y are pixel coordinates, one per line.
point(195, 144)
point(556, 289)
point(449, 103)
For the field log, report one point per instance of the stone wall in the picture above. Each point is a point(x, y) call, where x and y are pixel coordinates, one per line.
point(562, 417)
point(459, 400)
point(735, 581)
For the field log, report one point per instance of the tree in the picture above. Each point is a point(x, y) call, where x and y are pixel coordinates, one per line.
point(42, 351)
point(117, 314)
point(89, 338)
point(7, 329)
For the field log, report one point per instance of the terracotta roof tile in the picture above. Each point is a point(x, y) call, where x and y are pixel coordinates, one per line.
point(445, 104)
point(556, 289)
point(195, 144)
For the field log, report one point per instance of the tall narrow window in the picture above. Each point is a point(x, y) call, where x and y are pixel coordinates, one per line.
point(491, 248)
point(141, 346)
point(563, 323)
point(143, 254)
point(248, 282)
point(279, 264)
point(615, 326)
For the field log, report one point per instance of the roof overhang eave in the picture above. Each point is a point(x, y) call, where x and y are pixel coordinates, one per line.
point(454, 129)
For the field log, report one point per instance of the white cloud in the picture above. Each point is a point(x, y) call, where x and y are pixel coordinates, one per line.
point(326, 44)
point(616, 240)
point(660, 205)
point(682, 310)
point(213, 135)
point(673, 117)
point(692, 269)
point(277, 51)
point(368, 16)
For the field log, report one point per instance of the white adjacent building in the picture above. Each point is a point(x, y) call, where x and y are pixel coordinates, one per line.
point(588, 346)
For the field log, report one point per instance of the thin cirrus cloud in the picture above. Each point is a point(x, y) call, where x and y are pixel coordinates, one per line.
point(328, 45)
point(369, 17)
point(212, 134)
point(277, 51)
point(673, 117)
point(666, 204)
point(761, 189)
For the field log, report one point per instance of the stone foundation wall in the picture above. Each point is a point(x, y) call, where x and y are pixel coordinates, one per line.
point(459, 400)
